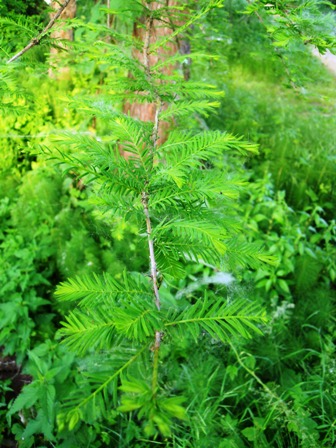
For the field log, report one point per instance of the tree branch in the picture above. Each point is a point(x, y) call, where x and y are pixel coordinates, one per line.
point(36, 40)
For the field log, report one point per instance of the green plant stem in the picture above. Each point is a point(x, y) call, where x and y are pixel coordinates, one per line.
point(111, 378)
point(282, 404)
point(156, 349)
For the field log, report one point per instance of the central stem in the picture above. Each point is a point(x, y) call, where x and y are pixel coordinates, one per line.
point(156, 363)
point(145, 201)
point(153, 267)
point(149, 24)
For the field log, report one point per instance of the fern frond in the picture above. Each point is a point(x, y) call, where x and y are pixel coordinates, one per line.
point(194, 18)
point(102, 386)
point(22, 24)
point(203, 232)
point(116, 203)
point(86, 330)
point(100, 163)
point(92, 290)
point(168, 261)
point(181, 151)
point(243, 253)
point(117, 57)
point(171, 250)
point(133, 134)
point(137, 321)
point(125, 179)
point(175, 87)
point(221, 320)
point(181, 108)
point(201, 185)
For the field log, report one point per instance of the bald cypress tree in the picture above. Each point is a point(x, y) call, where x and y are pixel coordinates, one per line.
point(167, 188)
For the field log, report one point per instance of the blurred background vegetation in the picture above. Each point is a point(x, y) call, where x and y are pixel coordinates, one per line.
point(276, 391)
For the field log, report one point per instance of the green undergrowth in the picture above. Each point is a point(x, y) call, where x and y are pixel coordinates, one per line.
point(289, 111)
point(293, 127)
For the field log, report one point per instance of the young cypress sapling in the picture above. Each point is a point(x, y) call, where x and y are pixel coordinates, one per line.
point(179, 205)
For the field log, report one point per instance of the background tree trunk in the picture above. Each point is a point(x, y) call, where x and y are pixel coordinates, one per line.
point(68, 13)
point(146, 111)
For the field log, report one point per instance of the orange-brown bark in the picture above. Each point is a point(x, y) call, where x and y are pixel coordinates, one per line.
point(159, 30)
point(68, 13)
